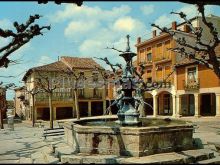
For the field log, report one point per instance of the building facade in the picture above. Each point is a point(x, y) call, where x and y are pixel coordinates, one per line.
point(20, 103)
point(91, 98)
point(161, 65)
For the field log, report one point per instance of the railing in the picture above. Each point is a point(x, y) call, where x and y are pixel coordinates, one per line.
point(161, 58)
point(145, 63)
point(84, 96)
point(191, 85)
point(57, 96)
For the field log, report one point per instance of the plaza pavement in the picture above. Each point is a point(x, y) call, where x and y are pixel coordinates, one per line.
point(25, 140)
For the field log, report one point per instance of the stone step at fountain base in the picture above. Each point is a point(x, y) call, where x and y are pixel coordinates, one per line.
point(200, 156)
point(188, 156)
point(66, 154)
point(45, 156)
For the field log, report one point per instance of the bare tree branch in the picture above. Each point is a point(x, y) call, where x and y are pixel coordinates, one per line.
point(208, 56)
point(24, 34)
point(115, 49)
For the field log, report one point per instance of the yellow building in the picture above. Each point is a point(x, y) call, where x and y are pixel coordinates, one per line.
point(159, 62)
point(91, 99)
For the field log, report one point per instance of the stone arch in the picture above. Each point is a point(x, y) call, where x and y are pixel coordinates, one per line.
point(165, 103)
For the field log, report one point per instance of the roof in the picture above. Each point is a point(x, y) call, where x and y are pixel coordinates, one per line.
point(80, 63)
point(64, 64)
point(185, 61)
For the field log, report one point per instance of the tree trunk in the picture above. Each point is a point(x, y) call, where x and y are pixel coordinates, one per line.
point(33, 111)
point(1, 117)
point(51, 110)
point(76, 104)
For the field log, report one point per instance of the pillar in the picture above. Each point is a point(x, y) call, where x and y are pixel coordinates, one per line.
point(89, 109)
point(217, 104)
point(104, 106)
point(178, 106)
point(197, 105)
point(155, 113)
point(174, 105)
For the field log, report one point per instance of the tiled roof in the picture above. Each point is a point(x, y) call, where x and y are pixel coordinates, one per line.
point(56, 66)
point(80, 63)
point(185, 61)
point(65, 63)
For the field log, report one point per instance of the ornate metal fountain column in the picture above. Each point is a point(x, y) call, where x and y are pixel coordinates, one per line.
point(128, 114)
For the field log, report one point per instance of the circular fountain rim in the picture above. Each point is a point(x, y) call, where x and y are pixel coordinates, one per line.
point(76, 125)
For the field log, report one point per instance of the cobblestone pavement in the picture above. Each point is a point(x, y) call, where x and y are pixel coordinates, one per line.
point(25, 140)
point(22, 142)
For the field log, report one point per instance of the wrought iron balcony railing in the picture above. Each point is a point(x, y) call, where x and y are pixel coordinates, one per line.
point(57, 96)
point(191, 85)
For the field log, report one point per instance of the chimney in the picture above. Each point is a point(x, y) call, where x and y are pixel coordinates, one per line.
point(138, 40)
point(174, 25)
point(154, 33)
point(186, 28)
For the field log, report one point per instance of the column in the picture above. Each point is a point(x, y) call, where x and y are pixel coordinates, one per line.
point(54, 113)
point(174, 105)
point(104, 106)
point(89, 109)
point(155, 113)
point(217, 104)
point(178, 106)
point(197, 105)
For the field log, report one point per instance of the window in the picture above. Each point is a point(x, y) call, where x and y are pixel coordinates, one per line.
point(95, 92)
point(167, 52)
point(149, 79)
point(159, 49)
point(191, 75)
point(141, 55)
point(159, 73)
point(81, 92)
point(167, 72)
point(149, 57)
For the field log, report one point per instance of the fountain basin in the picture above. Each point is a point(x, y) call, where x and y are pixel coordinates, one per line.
point(95, 136)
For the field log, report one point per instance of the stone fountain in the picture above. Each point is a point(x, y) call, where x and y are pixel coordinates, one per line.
point(127, 134)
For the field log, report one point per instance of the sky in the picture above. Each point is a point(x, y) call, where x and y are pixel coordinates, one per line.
point(85, 31)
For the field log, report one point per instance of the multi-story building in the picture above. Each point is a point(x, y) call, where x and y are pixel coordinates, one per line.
point(91, 99)
point(20, 103)
point(159, 62)
point(197, 89)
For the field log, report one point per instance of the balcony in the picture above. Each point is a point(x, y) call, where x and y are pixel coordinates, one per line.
point(145, 63)
point(162, 59)
point(57, 96)
point(192, 85)
point(90, 97)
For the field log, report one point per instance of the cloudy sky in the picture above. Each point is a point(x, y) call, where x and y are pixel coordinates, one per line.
point(84, 31)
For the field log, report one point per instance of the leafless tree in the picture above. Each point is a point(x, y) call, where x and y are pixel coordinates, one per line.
point(77, 77)
point(48, 85)
point(33, 92)
point(77, 2)
point(4, 87)
point(24, 33)
point(202, 52)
